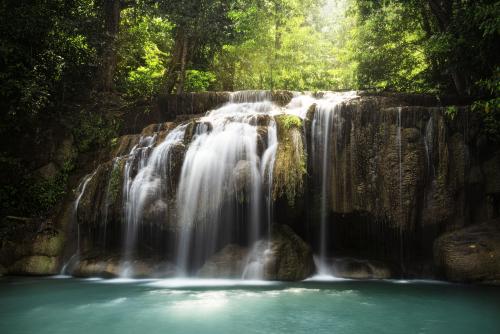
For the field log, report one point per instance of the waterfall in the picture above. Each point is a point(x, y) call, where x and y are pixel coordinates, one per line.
point(223, 168)
point(321, 135)
point(401, 207)
point(79, 191)
point(149, 186)
point(326, 127)
point(209, 181)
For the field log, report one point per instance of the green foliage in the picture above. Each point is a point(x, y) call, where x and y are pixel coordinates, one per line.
point(279, 47)
point(46, 57)
point(451, 112)
point(393, 55)
point(33, 194)
point(145, 42)
point(490, 112)
point(146, 80)
point(114, 183)
point(94, 131)
point(197, 81)
point(43, 194)
point(288, 122)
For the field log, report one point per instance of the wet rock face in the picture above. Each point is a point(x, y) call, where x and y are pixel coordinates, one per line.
point(38, 265)
point(410, 171)
point(227, 263)
point(286, 257)
point(29, 247)
point(360, 269)
point(110, 267)
point(471, 254)
point(241, 179)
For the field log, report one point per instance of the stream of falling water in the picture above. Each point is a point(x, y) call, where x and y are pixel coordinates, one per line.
point(326, 127)
point(79, 191)
point(401, 208)
point(224, 166)
point(152, 165)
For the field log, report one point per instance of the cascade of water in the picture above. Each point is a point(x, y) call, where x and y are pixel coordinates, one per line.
point(225, 166)
point(429, 144)
point(321, 133)
point(225, 190)
point(326, 126)
point(147, 174)
point(79, 191)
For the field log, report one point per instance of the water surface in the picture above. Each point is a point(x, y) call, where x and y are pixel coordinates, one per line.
point(224, 306)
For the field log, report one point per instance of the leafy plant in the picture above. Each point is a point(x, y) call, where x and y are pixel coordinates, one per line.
point(451, 112)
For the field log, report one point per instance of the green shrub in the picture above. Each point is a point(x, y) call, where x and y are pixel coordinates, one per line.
point(197, 81)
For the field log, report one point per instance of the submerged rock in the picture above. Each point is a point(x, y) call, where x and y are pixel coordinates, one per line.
point(227, 263)
point(471, 254)
point(360, 269)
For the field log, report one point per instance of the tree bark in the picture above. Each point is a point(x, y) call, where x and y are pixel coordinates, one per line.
point(182, 70)
point(111, 9)
point(177, 67)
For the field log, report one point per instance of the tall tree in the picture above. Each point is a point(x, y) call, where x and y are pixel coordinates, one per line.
point(201, 28)
point(111, 13)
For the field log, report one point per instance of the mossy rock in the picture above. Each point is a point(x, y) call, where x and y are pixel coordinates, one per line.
point(290, 163)
point(227, 263)
point(471, 254)
point(48, 244)
point(286, 257)
point(38, 265)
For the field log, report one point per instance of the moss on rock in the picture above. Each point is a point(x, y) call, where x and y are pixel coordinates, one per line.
point(48, 244)
point(35, 265)
point(290, 164)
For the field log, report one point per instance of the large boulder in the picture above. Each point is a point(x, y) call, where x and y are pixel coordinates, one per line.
point(241, 179)
point(286, 257)
point(37, 265)
point(360, 269)
point(227, 263)
point(470, 254)
point(113, 267)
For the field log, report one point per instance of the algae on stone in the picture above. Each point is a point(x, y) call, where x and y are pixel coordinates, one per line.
point(290, 163)
point(35, 265)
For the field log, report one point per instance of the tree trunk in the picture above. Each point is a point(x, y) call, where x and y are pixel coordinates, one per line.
point(443, 12)
point(172, 72)
point(111, 10)
point(176, 73)
point(182, 70)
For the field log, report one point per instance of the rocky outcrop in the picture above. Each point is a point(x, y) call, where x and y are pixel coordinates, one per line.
point(401, 173)
point(30, 247)
point(227, 263)
point(110, 267)
point(360, 269)
point(290, 162)
point(286, 257)
point(471, 254)
point(38, 265)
